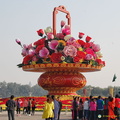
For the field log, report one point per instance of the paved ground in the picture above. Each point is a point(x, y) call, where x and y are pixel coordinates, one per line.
point(37, 116)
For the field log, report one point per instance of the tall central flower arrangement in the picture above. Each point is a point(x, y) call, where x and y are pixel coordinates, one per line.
point(63, 53)
point(62, 48)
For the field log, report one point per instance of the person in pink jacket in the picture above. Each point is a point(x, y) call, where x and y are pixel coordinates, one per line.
point(93, 108)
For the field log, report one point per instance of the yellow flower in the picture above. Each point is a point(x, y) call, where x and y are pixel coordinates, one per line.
point(80, 49)
point(62, 41)
point(81, 60)
point(33, 62)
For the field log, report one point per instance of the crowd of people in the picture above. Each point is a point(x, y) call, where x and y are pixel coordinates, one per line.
point(28, 107)
point(92, 108)
point(96, 108)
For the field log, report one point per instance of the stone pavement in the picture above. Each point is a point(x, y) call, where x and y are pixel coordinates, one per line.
point(37, 116)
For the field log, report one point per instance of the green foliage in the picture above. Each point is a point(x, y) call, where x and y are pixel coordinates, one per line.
point(7, 89)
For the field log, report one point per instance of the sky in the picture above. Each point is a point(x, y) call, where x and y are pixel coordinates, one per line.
point(99, 19)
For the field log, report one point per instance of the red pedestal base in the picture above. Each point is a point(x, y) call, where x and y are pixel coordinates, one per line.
point(62, 82)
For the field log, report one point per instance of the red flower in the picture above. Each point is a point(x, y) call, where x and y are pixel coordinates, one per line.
point(81, 42)
point(39, 42)
point(40, 32)
point(81, 54)
point(87, 45)
point(56, 57)
point(39, 48)
point(27, 59)
point(76, 59)
point(81, 35)
point(99, 61)
point(88, 39)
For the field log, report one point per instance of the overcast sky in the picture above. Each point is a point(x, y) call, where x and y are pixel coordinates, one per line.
point(100, 19)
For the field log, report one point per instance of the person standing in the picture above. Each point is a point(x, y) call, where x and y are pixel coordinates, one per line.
point(60, 107)
point(100, 108)
point(25, 105)
point(56, 107)
point(75, 108)
point(33, 106)
point(48, 109)
point(11, 108)
point(93, 109)
point(18, 106)
point(85, 109)
point(80, 109)
point(111, 105)
point(117, 106)
point(29, 107)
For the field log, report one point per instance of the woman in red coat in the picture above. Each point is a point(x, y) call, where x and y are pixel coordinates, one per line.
point(111, 105)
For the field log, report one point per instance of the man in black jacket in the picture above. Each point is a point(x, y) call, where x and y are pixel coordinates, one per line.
point(11, 108)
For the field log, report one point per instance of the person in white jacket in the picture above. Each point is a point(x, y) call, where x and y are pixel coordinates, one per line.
point(86, 109)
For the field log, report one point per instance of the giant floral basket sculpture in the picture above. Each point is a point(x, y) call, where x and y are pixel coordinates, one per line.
point(61, 57)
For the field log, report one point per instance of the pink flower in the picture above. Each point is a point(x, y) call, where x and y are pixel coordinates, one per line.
point(18, 42)
point(81, 35)
point(44, 52)
point(62, 23)
point(31, 52)
point(66, 31)
point(70, 51)
point(60, 36)
point(96, 47)
point(88, 39)
point(88, 57)
point(50, 36)
point(67, 27)
point(90, 51)
point(35, 59)
point(73, 42)
point(53, 44)
point(25, 50)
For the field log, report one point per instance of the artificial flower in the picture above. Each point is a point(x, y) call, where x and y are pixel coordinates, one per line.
point(81, 54)
point(27, 59)
point(62, 23)
point(67, 37)
point(44, 52)
point(66, 31)
point(81, 42)
point(70, 51)
point(81, 35)
point(38, 48)
point(60, 36)
point(88, 57)
point(48, 30)
point(56, 57)
point(96, 47)
point(50, 36)
point(18, 42)
point(40, 32)
point(88, 39)
point(39, 42)
point(31, 52)
point(53, 44)
point(99, 54)
point(62, 42)
point(67, 27)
